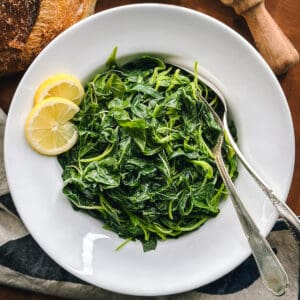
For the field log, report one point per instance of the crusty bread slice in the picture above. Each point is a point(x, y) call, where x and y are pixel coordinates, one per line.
point(28, 26)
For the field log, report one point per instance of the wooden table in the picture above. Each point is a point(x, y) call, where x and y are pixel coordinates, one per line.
point(286, 14)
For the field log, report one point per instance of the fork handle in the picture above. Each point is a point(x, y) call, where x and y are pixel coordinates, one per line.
point(272, 273)
point(285, 212)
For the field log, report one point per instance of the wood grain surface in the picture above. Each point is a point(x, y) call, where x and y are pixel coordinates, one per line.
point(285, 13)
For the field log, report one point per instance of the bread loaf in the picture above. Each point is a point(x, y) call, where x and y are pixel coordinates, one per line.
point(27, 26)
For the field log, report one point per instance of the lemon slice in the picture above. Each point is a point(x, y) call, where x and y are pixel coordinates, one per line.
point(60, 85)
point(48, 128)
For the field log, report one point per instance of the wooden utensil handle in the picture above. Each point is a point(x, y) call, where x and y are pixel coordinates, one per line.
point(271, 42)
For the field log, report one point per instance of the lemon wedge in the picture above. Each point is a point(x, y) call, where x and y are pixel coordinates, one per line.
point(48, 128)
point(60, 85)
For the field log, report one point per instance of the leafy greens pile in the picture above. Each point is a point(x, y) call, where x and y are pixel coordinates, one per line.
point(143, 163)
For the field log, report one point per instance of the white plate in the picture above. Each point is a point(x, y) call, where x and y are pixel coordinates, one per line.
point(76, 241)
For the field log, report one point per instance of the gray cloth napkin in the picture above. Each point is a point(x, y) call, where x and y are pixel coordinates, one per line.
point(23, 264)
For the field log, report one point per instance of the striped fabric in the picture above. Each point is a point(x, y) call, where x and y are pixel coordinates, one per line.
point(23, 264)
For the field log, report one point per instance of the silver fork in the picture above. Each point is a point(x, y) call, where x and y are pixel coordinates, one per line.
point(272, 273)
point(285, 212)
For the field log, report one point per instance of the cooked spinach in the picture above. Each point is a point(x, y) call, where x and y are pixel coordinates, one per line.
point(143, 163)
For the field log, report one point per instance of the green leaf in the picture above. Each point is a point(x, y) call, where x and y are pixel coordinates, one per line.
point(115, 85)
point(111, 61)
point(146, 90)
point(150, 244)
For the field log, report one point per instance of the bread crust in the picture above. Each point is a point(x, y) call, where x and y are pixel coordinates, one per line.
point(17, 17)
point(33, 25)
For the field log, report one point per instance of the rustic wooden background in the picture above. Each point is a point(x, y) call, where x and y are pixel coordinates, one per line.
point(286, 14)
